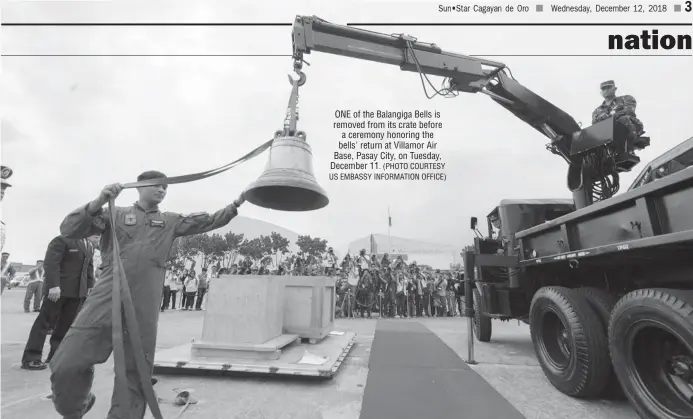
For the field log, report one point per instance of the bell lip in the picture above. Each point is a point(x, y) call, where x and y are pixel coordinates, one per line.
point(322, 201)
point(298, 183)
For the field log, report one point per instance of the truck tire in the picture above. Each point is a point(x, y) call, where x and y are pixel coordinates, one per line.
point(651, 343)
point(482, 323)
point(603, 303)
point(569, 341)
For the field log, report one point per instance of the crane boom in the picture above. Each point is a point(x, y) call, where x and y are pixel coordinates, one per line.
point(464, 73)
point(605, 140)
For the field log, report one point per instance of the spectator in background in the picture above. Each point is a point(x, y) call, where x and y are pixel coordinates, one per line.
point(191, 284)
point(8, 271)
point(183, 279)
point(450, 295)
point(428, 295)
point(202, 288)
point(176, 285)
point(440, 294)
point(34, 287)
point(398, 273)
point(459, 291)
point(390, 292)
point(166, 296)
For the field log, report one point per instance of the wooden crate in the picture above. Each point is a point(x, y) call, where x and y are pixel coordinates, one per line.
point(309, 306)
point(244, 309)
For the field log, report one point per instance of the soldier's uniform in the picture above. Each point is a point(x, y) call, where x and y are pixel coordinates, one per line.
point(145, 239)
point(622, 108)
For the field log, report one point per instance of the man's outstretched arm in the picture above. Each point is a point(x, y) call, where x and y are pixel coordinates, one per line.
point(203, 222)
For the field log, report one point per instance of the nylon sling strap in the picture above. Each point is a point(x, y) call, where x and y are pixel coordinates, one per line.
point(197, 176)
point(122, 300)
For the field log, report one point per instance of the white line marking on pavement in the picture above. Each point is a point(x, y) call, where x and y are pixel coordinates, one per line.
point(25, 400)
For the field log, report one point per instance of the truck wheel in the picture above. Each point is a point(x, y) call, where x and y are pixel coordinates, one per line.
point(569, 341)
point(482, 323)
point(603, 303)
point(651, 341)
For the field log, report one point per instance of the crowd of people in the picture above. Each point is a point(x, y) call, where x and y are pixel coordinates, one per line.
point(186, 289)
point(366, 284)
point(369, 283)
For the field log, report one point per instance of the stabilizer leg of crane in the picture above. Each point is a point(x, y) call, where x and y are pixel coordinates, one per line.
point(580, 185)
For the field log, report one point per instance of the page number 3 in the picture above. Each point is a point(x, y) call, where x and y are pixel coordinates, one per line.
point(688, 6)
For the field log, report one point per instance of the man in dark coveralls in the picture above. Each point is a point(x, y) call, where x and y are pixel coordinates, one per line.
point(622, 108)
point(145, 235)
point(69, 267)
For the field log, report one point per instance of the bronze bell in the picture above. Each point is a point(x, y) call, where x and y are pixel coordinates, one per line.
point(288, 182)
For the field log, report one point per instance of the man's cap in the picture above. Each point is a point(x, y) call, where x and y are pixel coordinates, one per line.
point(150, 174)
point(5, 253)
point(6, 173)
point(608, 83)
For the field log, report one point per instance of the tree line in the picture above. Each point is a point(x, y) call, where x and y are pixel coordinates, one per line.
point(225, 250)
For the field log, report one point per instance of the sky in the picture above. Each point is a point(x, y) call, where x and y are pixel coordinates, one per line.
point(71, 125)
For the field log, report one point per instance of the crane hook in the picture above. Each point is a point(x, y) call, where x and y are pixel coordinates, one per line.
point(301, 79)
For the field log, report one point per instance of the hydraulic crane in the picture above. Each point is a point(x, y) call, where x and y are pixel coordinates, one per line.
point(596, 154)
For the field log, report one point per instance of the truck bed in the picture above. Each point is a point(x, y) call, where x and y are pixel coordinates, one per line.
point(658, 214)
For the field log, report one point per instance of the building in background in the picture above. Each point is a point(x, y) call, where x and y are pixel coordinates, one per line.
point(437, 256)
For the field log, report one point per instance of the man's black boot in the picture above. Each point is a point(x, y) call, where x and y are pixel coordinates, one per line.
point(34, 365)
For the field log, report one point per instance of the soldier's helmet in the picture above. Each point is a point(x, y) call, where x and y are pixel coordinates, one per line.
point(607, 86)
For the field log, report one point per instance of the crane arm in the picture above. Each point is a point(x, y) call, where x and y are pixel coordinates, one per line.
point(463, 73)
point(596, 154)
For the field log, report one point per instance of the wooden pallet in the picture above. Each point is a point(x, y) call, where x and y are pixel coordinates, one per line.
point(179, 360)
point(313, 341)
point(272, 349)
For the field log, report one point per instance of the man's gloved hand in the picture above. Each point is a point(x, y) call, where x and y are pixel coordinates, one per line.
point(107, 193)
point(54, 294)
point(110, 191)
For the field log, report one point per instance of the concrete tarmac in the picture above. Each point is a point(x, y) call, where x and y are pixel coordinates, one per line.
point(507, 363)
